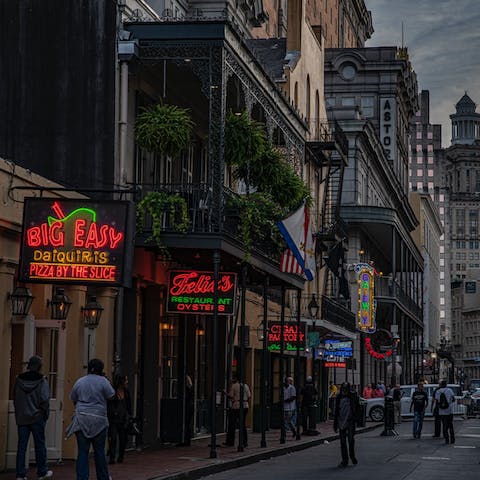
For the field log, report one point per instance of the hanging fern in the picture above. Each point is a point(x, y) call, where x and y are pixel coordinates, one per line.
point(164, 129)
point(156, 204)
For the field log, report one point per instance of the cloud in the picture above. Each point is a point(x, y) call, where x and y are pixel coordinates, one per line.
point(443, 40)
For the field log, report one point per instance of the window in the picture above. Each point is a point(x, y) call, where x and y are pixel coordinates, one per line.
point(441, 197)
point(430, 160)
point(419, 172)
point(473, 217)
point(430, 185)
point(430, 135)
point(366, 104)
point(419, 148)
point(348, 101)
point(442, 287)
point(420, 160)
point(477, 180)
point(419, 185)
point(330, 101)
point(429, 147)
point(442, 210)
point(430, 172)
point(419, 135)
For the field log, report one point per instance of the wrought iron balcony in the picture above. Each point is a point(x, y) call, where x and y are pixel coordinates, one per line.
point(386, 287)
point(209, 214)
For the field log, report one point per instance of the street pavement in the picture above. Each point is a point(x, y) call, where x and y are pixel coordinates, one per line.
point(396, 458)
point(168, 462)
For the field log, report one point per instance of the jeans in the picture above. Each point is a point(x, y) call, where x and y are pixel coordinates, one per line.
point(418, 422)
point(347, 434)
point(448, 433)
point(234, 423)
point(98, 444)
point(117, 441)
point(38, 433)
point(289, 418)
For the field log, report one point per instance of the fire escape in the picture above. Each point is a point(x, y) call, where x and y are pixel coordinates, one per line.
point(329, 148)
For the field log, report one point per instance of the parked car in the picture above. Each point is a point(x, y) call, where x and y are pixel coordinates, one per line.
point(376, 406)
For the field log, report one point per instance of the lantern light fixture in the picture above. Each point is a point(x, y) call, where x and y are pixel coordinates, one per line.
point(92, 313)
point(313, 307)
point(59, 305)
point(21, 300)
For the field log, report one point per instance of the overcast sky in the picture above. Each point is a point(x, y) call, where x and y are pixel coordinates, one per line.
point(443, 39)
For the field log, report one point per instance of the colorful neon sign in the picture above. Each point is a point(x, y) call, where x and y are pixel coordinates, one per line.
point(192, 292)
point(335, 364)
point(77, 241)
point(292, 337)
point(366, 302)
point(338, 348)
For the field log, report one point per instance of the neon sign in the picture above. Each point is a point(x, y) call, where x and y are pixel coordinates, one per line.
point(366, 302)
point(292, 337)
point(192, 292)
point(337, 348)
point(76, 241)
point(335, 364)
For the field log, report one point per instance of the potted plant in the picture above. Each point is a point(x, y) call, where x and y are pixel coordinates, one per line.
point(164, 128)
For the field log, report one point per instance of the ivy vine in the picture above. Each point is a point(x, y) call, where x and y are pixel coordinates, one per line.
point(156, 204)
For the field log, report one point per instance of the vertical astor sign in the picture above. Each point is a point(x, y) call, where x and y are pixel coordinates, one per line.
point(366, 301)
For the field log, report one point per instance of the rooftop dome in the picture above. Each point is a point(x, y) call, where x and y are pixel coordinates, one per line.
point(466, 105)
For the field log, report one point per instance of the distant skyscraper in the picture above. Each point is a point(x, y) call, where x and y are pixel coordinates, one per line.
point(425, 174)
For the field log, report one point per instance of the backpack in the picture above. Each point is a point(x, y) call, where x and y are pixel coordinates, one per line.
point(443, 401)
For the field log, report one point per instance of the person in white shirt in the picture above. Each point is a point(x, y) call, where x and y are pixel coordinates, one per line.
point(290, 406)
point(444, 398)
point(234, 412)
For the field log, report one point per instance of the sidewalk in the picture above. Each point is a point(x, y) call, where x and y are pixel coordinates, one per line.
point(178, 463)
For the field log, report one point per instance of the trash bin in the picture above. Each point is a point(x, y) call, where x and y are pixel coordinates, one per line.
point(389, 419)
point(362, 415)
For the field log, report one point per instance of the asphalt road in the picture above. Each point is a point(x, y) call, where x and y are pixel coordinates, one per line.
point(394, 458)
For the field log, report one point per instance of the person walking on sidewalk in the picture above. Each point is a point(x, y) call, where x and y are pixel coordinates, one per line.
point(290, 406)
point(90, 422)
point(119, 411)
point(309, 397)
point(347, 408)
point(419, 403)
point(436, 416)
point(332, 394)
point(234, 412)
point(31, 399)
point(445, 398)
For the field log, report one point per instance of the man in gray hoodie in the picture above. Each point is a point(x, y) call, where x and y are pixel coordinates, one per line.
point(32, 403)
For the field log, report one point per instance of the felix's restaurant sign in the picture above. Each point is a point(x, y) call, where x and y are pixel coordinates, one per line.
point(291, 336)
point(76, 241)
point(193, 292)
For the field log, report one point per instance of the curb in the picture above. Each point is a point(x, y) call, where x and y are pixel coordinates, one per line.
point(221, 466)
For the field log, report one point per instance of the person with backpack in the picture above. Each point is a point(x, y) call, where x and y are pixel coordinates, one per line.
point(419, 403)
point(445, 398)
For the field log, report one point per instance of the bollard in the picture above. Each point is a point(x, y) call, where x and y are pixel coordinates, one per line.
point(389, 418)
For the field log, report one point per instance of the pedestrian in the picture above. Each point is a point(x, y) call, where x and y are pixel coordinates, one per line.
point(445, 398)
point(368, 391)
point(378, 392)
point(396, 393)
point(90, 422)
point(419, 403)
point(309, 397)
point(188, 413)
point(234, 412)
point(436, 415)
point(31, 399)
point(332, 393)
point(119, 410)
point(347, 408)
point(290, 406)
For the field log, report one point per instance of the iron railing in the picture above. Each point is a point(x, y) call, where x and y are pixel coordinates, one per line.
point(328, 134)
point(389, 288)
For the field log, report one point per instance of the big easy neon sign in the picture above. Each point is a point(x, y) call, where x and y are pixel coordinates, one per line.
point(76, 241)
point(191, 291)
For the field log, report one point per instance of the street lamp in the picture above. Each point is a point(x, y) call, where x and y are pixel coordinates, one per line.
point(434, 357)
point(21, 299)
point(313, 307)
point(92, 312)
point(59, 305)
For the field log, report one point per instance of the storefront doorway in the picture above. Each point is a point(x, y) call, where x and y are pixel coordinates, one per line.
point(46, 338)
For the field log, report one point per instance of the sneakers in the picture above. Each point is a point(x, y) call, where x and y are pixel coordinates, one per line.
point(48, 475)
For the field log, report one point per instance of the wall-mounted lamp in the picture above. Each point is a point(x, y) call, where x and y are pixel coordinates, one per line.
point(313, 307)
point(59, 305)
point(92, 312)
point(21, 299)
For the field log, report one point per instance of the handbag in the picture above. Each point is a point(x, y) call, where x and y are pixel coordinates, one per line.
point(132, 426)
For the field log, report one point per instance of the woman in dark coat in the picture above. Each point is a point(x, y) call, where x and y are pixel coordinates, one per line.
point(119, 413)
point(347, 407)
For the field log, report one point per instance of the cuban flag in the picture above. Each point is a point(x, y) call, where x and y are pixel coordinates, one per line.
point(297, 231)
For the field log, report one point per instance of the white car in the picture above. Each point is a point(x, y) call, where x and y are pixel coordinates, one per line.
point(376, 406)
